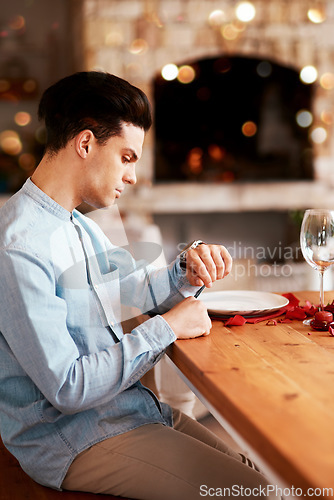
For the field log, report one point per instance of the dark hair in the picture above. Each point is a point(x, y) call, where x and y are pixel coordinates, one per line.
point(92, 100)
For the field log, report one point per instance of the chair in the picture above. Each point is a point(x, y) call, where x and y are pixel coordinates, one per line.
point(15, 484)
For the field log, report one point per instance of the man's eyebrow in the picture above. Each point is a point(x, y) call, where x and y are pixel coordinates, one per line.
point(132, 153)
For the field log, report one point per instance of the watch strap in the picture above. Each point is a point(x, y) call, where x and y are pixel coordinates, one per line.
point(183, 254)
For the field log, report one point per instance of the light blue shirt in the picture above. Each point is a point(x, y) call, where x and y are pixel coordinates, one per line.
point(69, 377)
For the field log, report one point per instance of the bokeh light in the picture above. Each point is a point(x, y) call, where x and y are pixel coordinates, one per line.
point(40, 135)
point(304, 118)
point(318, 135)
point(229, 32)
point(216, 152)
point(27, 161)
point(327, 81)
point(17, 23)
point(186, 74)
point(22, 118)
point(4, 85)
point(169, 72)
point(194, 160)
point(114, 38)
point(245, 11)
point(10, 142)
point(29, 86)
point(138, 46)
point(264, 69)
point(216, 18)
point(316, 15)
point(308, 74)
point(249, 129)
point(326, 117)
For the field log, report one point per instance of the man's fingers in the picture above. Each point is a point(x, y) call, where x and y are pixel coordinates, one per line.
point(200, 267)
point(208, 263)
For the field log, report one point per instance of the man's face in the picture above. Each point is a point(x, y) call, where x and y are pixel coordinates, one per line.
point(112, 167)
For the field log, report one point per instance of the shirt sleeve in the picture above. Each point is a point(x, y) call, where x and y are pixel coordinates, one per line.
point(152, 290)
point(33, 322)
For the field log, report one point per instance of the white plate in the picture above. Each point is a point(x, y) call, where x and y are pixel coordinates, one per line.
point(244, 302)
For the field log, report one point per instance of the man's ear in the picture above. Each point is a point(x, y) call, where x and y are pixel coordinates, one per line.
point(83, 143)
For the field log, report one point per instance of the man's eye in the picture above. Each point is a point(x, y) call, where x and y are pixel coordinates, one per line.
point(126, 159)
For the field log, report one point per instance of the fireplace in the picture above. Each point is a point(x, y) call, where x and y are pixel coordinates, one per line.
point(234, 119)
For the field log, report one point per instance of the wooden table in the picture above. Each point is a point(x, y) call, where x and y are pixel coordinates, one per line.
point(272, 387)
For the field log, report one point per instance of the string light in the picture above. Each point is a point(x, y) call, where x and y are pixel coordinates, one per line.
point(249, 129)
point(316, 15)
point(327, 81)
point(318, 135)
point(308, 74)
point(245, 11)
point(10, 142)
point(22, 118)
point(186, 74)
point(304, 118)
point(216, 18)
point(138, 46)
point(169, 72)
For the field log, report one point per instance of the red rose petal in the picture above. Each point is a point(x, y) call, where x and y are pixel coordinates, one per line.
point(293, 301)
point(331, 329)
point(236, 320)
point(296, 313)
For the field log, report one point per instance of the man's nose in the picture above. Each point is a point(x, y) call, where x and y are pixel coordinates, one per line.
point(130, 175)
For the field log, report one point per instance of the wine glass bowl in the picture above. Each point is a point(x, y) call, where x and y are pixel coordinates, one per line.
point(317, 242)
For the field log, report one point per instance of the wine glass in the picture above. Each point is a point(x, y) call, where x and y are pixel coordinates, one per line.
point(317, 243)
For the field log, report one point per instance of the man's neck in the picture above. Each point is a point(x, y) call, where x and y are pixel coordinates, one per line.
point(55, 177)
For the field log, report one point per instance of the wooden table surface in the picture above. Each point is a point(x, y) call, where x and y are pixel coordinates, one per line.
point(274, 386)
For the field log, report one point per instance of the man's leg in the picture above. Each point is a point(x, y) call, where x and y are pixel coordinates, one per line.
point(155, 462)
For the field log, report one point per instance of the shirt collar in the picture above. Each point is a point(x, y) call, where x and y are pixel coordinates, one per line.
point(45, 201)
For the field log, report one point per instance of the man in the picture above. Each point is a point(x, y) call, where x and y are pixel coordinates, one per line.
point(72, 408)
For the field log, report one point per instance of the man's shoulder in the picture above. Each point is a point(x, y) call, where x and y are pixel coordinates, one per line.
point(23, 223)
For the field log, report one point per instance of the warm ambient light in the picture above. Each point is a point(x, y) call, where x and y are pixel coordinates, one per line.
point(27, 161)
point(326, 117)
point(17, 23)
point(10, 142)
point(316, 15)
point(186, 74)
point(22, 118)
point(308, 74)
point(318, 135)
point(249, 129)
point(29, 86)
point(229, 32)
point(169, 72)
point(216, 18)
point(138, 46)
point(245, 12)
point(327, 81)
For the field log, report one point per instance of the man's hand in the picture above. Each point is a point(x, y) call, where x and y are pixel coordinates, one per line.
point(207, 263)
point(189, 319)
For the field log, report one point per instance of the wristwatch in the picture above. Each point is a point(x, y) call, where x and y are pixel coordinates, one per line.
point(183, 254)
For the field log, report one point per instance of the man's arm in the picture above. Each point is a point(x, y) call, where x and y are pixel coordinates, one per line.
point(33, 320)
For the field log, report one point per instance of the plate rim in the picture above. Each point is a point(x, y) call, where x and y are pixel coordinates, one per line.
point(253, 312)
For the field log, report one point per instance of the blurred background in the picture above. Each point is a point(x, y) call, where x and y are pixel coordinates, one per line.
point(242, 94)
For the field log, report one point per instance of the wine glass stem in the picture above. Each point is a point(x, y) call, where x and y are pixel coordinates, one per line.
point(321, 305)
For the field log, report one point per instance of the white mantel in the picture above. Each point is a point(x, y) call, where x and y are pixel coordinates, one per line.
point(190, 198)
point(236, 197)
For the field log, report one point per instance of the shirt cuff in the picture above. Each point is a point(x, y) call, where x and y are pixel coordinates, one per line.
point(181, 281)
point(157, 332)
